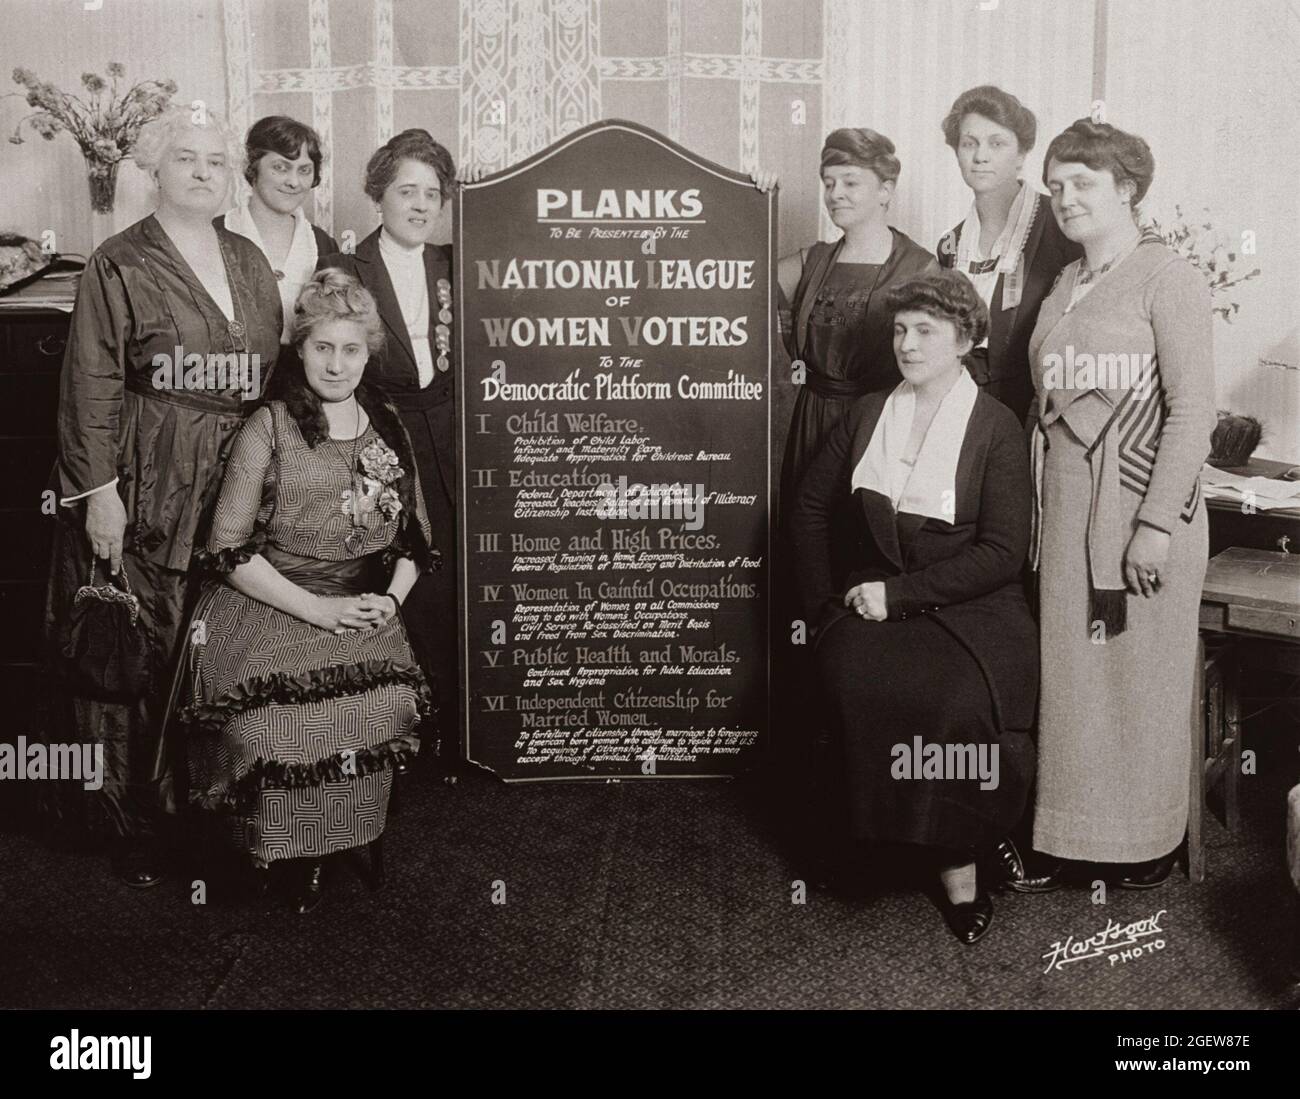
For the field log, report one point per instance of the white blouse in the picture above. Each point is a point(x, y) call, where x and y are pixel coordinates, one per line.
point(406, 270)
point(299, 265)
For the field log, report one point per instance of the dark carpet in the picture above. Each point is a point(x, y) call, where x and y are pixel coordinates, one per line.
point(630, 895)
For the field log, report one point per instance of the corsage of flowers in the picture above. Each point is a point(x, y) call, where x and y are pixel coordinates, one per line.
point(381, 471)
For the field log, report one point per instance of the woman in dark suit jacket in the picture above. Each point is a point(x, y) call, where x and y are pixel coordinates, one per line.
point(910, 532)
point(410, 179)
point(1009, 246)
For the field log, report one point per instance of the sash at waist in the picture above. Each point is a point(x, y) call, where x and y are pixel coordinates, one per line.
point(221, 404)
point(836, 389)
point(350, 577)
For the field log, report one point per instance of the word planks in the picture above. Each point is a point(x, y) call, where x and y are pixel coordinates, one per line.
point(616, 297)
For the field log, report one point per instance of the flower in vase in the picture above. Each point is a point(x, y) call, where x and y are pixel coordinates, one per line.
point(105, 149)
point(106, 128)
point(46, 126)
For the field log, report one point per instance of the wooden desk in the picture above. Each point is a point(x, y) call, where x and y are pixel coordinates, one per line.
point(1254, 592)
point(1277, 529)
point(1248, 593)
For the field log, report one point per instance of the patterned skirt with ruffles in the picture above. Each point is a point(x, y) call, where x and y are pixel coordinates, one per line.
point(294, 730)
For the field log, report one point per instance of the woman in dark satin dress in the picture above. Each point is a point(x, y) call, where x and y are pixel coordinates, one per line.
point(140, 457)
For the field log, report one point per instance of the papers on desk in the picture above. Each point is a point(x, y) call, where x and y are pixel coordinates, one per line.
point(1263, 493)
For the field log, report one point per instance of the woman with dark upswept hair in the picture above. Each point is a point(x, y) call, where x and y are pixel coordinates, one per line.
point(1009, 244)
point(282, 166)
point(304, 692)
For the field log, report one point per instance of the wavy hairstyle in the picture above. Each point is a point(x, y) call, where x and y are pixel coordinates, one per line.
point(997, 106)
point(285, 136)
point(861, 148)
point(946, 294)
point(1104, 148)
point(334, 295)
point(413, 144)
point(159, 135)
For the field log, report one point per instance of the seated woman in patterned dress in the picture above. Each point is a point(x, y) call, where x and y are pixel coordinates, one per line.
point(304, 692)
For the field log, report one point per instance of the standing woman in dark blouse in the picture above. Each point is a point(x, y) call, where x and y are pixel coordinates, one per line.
point(141, 456)
point(840, 328)
point(1009, 246)
point(410, 178)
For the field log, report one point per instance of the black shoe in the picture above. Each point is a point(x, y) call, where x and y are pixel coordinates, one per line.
point(1030, 872)
point(1149, 874)
point(969, 921)
point(139, 866)
point(311, 892)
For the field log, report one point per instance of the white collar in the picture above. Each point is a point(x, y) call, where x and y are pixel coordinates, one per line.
point(389, 245)
point(1010, 242)
point(929, 487)
point(239, 219)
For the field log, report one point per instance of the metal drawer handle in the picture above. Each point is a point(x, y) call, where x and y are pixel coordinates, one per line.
point(46, 347)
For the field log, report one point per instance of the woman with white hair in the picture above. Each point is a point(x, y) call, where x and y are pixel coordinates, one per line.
point(175, 330)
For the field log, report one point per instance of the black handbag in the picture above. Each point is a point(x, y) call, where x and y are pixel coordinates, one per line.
point(103, 650)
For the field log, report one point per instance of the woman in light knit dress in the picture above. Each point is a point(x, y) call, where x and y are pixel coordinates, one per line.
point(1123, 372)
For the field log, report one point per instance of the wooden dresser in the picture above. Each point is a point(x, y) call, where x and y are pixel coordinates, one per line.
point(33, 335)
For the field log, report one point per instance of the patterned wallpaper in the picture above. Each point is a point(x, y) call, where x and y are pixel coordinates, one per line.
point(739, 81)
point(758, 83)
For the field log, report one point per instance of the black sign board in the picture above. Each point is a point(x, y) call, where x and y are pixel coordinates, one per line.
point(614, 413)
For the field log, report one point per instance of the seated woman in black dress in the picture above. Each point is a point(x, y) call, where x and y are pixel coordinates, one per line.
point(910, 531)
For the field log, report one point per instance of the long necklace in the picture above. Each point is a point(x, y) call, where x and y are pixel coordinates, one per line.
point(356, 536)
point(236, 329)
point(824, 294)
